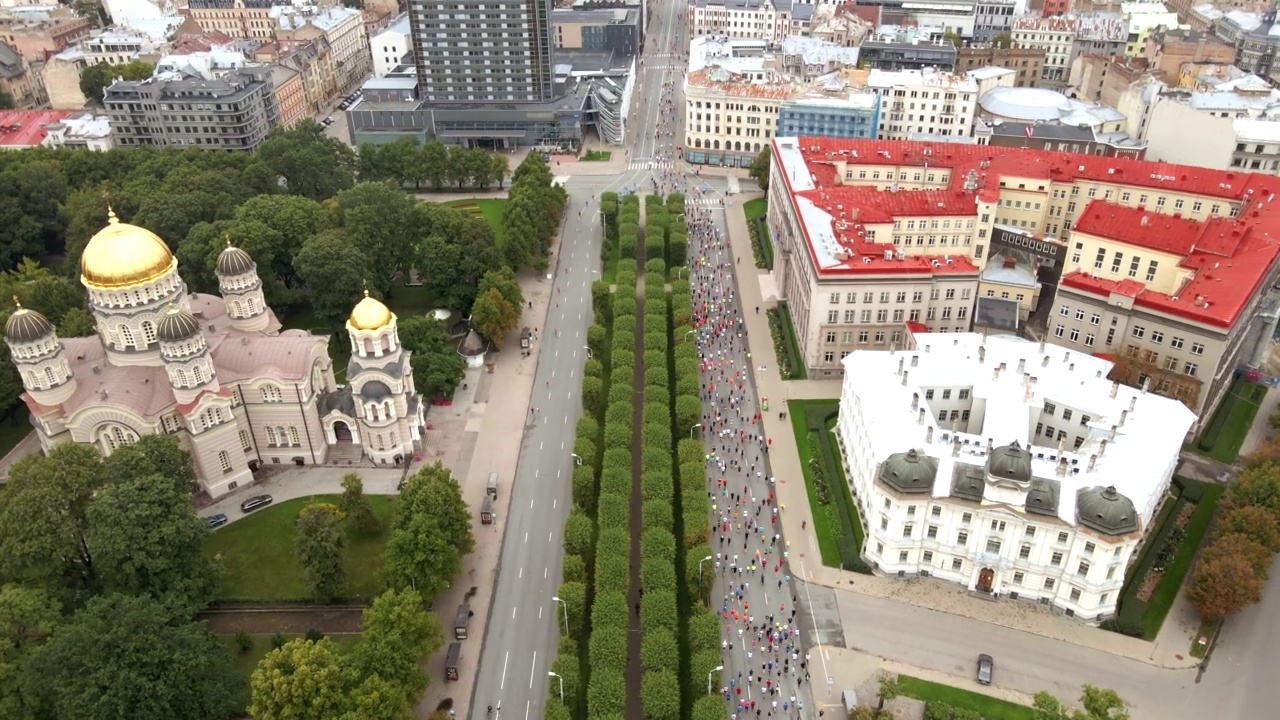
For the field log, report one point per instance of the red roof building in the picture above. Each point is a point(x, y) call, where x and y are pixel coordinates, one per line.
point(1165, 265)
point(21, 129)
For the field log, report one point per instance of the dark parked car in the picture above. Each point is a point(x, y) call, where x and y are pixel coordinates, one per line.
point(986, 668)
point(217, 521)
point(255, 502)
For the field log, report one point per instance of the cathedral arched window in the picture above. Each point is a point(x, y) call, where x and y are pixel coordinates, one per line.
point(182, 377)
point(224, 461)
point(33, 380)
point(271, 394)
point(148, 331)
point(237, 310)
point(253, 306)
point(112, 437)
point(198, 372)
point(271, 436)
point(126, 336)
point(293, 436)
point(50, 377)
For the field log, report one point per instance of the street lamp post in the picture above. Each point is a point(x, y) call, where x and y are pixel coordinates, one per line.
point(713, 672)
point(577, 459)
point(564, 606)
point(552, 674)
point(588, 349)
point(700, 567)
point(695, 427)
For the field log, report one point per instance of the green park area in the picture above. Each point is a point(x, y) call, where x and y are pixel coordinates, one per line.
point(258, 555)
point(761, 246)
point(954, 698)
point(597, 156)
point(835, 518)
point(490, 209)
point(1225, 433)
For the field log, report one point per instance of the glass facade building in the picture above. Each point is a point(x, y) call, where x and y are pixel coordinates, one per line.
point(830, 118)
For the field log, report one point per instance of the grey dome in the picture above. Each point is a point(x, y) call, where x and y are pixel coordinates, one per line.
point(1106, 510)
point(472, 346)
point(1042, 499)
point(374, 390)
point(909, 472)
point(177, 325)
point(233, 261)
point(27, 326)
point(1010, 462)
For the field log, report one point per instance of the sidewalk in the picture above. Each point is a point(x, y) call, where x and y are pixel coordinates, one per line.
point(1169, 651)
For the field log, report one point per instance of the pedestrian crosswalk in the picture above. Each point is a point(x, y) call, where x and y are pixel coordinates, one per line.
point(650, 165)
point(704, 201)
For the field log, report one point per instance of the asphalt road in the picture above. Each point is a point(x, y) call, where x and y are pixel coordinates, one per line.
point(525, 623)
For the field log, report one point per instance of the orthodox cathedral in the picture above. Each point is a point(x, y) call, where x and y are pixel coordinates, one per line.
point(217, 371)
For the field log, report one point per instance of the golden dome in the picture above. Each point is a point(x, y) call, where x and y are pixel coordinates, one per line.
point(123, 255)
point(370, 314)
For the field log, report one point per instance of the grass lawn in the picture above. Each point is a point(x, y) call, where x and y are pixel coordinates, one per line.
point(490, 209)
point(826, 518)
point(1241, 407)
point(257, 553)
point(755, 208)
point(14, 429)
point(792, 345)
point(597, 156)
point(244, 663)
point(1176, 572)
point(410, 300)
point(988, 707)
point(1208, 630)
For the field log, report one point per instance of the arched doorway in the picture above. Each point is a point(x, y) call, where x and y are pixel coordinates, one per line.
point(341, 431)
point(986, 579)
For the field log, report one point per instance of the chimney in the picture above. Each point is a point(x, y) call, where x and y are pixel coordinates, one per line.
point(1133, 402)
point(1041, 345)
point(915, 360)
point(982, 355)
point(991, 446)
point(996, 374)
point(1145, 220)
point(1045, 363)
point(1062, 444)
point(1115, 388)
point(1031, 392)
point(921, 420)
point(904, 378)
point(1010, 261)
point(1071, 367)
point(1066, 356)
point(915, 401)
point(1062, 466)
point(1146, 384)
point(928, 435)
point(1022, 365)
point(955, 446)
point(1098, 375)
point(900, 362)
point(1093, 460)
point(1123, 415)
point(1102, 448)
point(1113, 432)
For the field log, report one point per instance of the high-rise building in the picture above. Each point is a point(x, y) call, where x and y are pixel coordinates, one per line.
point(498, 51)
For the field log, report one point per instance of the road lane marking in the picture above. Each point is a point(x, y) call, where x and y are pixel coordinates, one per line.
point(533, 669)
point(507, 657)
point(554, 503)
point(521, 575)
point(539, 613)
point(530, 503)
point(558, 474)
point(540, 444)
point(526, 536)
point(535, 473)
point(544, 573)
point(528, 704)
point(513, 613)
point(550, 535)
point(561, 445)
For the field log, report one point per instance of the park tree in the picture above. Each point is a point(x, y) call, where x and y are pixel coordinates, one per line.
point(44, 520)
point(96, 78)
point(504, 280)
point(293, 219)
point(760, 167)
point(27, 618)
point(1253, 521)
point(302, 679)
point(384, 223)
point(430, 534)
point(398, 634)
point(1224, 585)
point(1095, 704)
point(1234, 544)
point(1257, 485)
point(456, 250)
point(437, 367)
point(320, 544)
point(20, 235)
point(76, 322)
point(129, 656)
point(355, 505)
point(888, 687)
point(311, 163)
point(334, 271)
point(493, 316)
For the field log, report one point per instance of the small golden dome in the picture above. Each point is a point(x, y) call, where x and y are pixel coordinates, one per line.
point(123, 255)
point(370, 314)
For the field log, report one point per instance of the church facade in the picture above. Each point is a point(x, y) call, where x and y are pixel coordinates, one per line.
point(217, 371)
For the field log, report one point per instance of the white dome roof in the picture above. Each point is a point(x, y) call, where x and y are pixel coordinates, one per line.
point(1024, 103)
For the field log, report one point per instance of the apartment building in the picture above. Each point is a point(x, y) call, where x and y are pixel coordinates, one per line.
point(341, 27)
point(240, 19)
point(1167, 51)
point(924, 102)
point(114, 47)
point(1255, 36)
point(17, 79)
point(1169, 266)
point(312, 60)
point(37, 32)
point(745, 19)
point(1013, 470)
point(391, 47)
point(830, 113)
point(226, 110)
point(286, 85)
point(1055, 35)
point(904, 49)
point(1026, 62)
point(616, 30)
point(84, 130)
point(992, 18)
point(1234, 116)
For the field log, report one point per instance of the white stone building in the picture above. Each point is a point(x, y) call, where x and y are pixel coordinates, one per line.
point(216, 371)
point(80, 130)
point(1013, 469)
point(1056, 35)
point(390, 46)
point(925, 101)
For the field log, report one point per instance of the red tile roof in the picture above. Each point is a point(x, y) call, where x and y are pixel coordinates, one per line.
point(1230, 257)
point(30, 126)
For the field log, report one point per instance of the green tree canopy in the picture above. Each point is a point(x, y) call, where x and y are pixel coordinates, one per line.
point(334, 271)
point(311, 163)
point(430, 534)
point(128, 656)
point(355, 505)
point(300, 680)
point(760, 167)
point(27, 618)
point(437, 367)
point(95, 78)
point(319, 544)
point(493, 316)
point(398, 633)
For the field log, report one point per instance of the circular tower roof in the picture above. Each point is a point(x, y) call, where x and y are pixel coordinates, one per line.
point(123, 256)
point(1010, 462)
point(370, 314)
point(1106, 510)
point(26, 325)
point(176, 325)
point(910, 471)
point(233, 261)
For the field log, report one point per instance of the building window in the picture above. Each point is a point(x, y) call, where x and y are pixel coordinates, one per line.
point(1048, 583)
point(271, 437)
point(1017, 578)
point(931, 532)
point(927, 556)
point(224, 460)
point(244, 440)
point(1095, 319)
point(907, 530)
point(935, 511)
point(1197, 349)
point(902, 556)
point(1024, 552)
point(1157, 337)
point(993, 546)
point(833, 316)
point(1139, 331)
point(1062, 537)
point(957, 564)
point(1056, 560)
point(1089, 548)
point(1175, 342)
point(1190, 369)
point(966, 518)
point(962, 538)
point(1082, 569)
